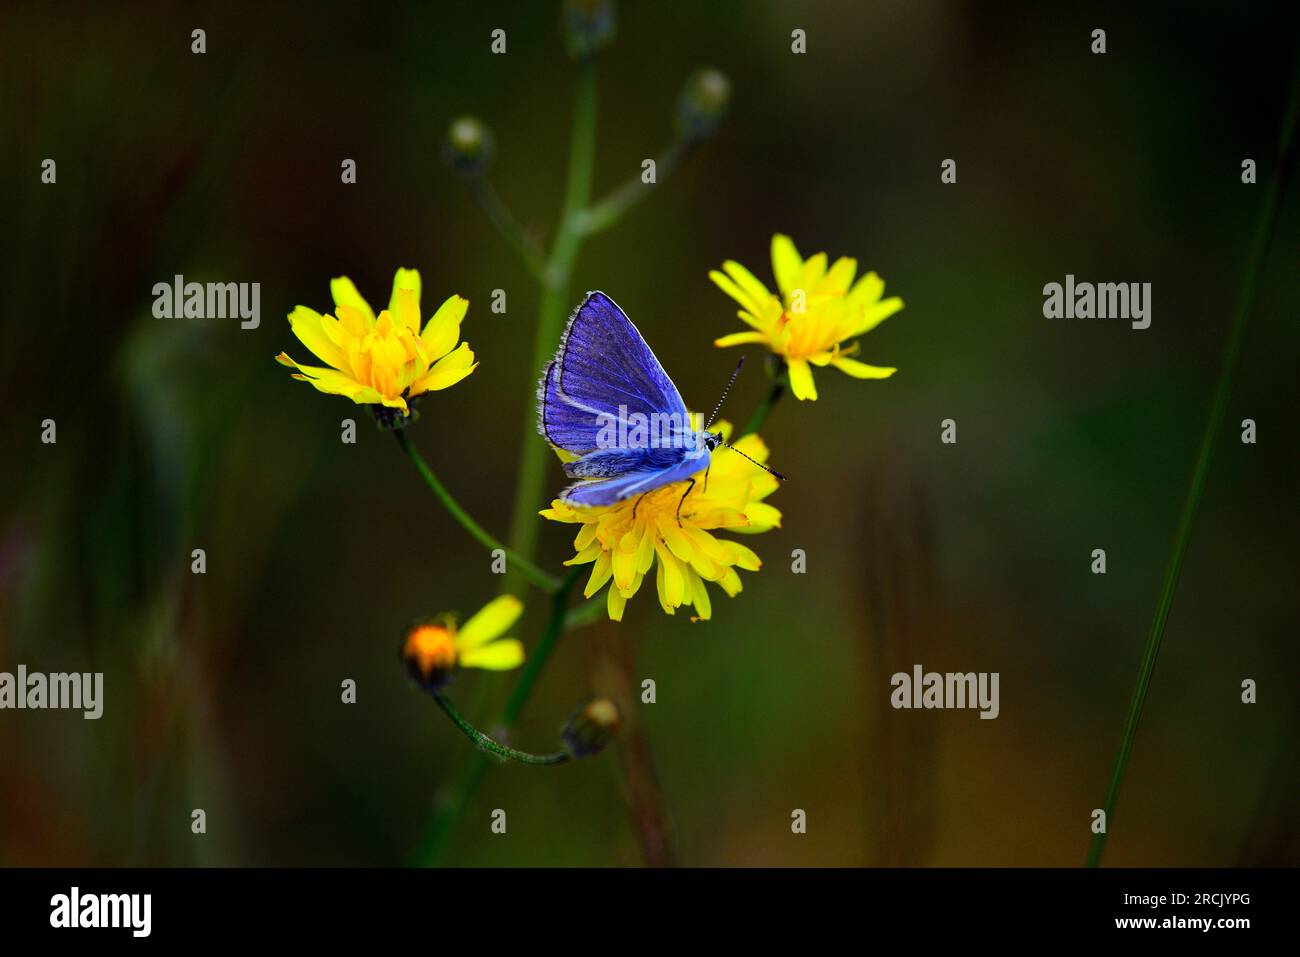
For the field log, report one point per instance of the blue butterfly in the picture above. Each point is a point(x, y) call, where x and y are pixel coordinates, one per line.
point(606, 399)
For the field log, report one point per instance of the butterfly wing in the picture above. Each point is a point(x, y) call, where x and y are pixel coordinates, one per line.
point(602, 364)
point(609, 491)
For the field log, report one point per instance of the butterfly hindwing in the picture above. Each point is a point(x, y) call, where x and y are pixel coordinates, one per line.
point(609, 491)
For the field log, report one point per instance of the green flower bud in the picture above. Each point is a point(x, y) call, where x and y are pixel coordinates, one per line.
point(703, 103)
point(590, 727)
point(469, 146)
point(587, 26)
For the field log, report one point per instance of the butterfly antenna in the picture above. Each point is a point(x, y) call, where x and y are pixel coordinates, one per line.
point(730, 382)
point(770, 471)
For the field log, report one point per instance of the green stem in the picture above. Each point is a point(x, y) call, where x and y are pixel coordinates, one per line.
point(1218, 409)
point(612, 208)
point(443, 823)
point(531, 572)
point(537, 660)
point(771, 399)
point(486, 744)
point(486, 198)
point(531, 478)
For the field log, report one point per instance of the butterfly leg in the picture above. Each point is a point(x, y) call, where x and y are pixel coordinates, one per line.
point(683, 501)
point(638, 503)
point(706, 477)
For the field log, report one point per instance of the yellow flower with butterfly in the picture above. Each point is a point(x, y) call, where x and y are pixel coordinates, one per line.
point(652, 492)
point(674, 531)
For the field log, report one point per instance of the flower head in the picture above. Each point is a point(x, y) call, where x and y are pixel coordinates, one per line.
point(590, 727)
point(469, 146)
point(624, 540)
point(433, 650)
point(383, 360)
point(818, 309)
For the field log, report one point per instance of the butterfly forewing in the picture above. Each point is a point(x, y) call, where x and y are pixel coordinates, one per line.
point(605, 372)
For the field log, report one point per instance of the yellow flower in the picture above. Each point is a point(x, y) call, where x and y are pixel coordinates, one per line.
point(623, 540)
point(385, 360)
point(434, 649)
point(818, 309)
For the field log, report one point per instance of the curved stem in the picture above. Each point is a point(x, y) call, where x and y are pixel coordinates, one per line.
point(611, 209)
point(434, 842)
point(486, 744)
point(1218, 409)
point(486, 198)
point(529, 571)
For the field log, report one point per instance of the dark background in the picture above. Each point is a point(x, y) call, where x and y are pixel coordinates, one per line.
point(222, 691)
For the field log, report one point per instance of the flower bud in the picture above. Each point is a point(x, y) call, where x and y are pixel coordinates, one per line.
point(590, 727)
point(587, 26)
point(429, 653)
point(703, 103)
point(469, 145)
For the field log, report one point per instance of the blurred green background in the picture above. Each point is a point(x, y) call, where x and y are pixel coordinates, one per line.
point(222, 691)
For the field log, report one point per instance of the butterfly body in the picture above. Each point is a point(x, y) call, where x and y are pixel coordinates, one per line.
point(606, 400)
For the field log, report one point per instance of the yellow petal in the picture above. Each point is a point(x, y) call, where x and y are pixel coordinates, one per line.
point(675, 538)
point(866, 290)
point(743, 556)
point(810, 276)
point(354, 322)
point(730, 583)
point(727, 285)
point(624, 567)
point(407, 309)
point(673, 579)
point(749, 284)
point(801, 379)
point(874, 315)
point(345, 294)
point(405, 279)
point(860, 370)
point(739, 338)
point(700, 599)
point(645, 553)
point(489, 622)
point(601, 572)
point(332, 382)
point(762, 517)
point(786, 263)
point(443, 329)
point(307, 326)
point(668, 608)
point(614, 604)
point(447, 371)
point(838, 278)
point(499, 656)
point(585, 537)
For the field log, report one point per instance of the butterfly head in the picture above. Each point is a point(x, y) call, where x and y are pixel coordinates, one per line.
point(712, 440)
